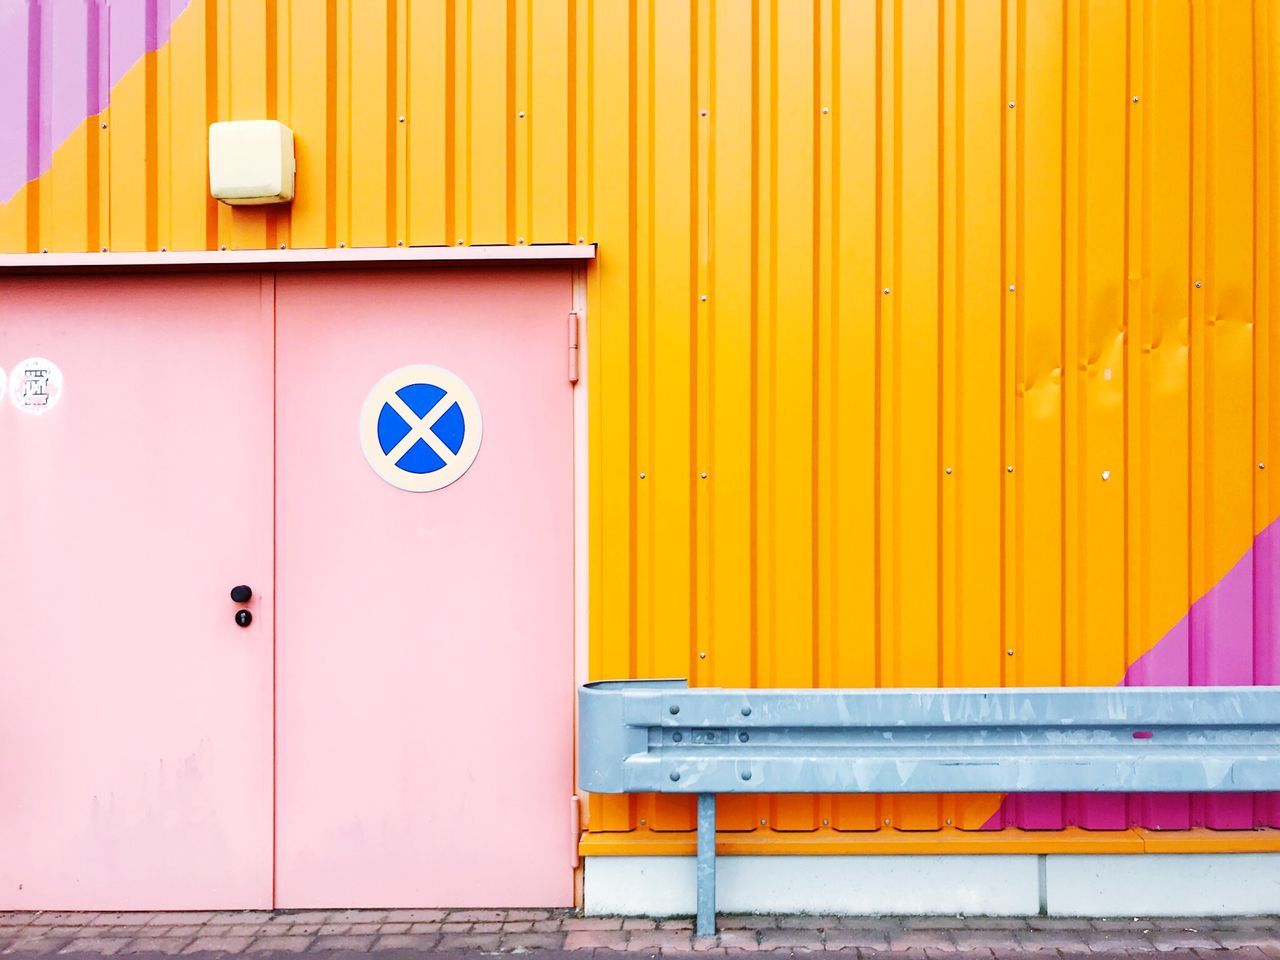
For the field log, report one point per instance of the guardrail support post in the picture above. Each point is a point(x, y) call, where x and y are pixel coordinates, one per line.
point(706, 864)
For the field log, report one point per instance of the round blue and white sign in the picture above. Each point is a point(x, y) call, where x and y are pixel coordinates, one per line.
point(420, 428)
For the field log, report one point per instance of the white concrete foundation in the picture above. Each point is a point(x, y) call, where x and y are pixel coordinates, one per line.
point(1164, 884)
point(983, 885)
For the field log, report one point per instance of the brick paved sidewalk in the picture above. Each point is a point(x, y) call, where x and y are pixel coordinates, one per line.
point(408, 932)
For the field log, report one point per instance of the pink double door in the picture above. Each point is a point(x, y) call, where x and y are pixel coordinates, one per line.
point(393, 724)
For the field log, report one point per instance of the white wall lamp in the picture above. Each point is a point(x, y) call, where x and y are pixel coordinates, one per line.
point(251, 162)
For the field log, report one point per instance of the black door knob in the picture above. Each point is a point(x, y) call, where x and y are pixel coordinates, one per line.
point(241, 594)
point(243, 618)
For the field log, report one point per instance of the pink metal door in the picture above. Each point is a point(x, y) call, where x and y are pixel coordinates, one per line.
point(135, 715)
point(425, 687)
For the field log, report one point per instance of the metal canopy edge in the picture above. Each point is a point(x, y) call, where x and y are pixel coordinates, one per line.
point(35, 263)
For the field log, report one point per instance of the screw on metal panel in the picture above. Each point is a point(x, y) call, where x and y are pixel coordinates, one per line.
point(46, 249)
point(1009, 468)
point(642, 476)
point(746, 774)
point(887, 821)
point(826, 109)
point(948, 471)
point(520, 114)
point(948, 821)
point(743, 737)
point(459, 241)
point(643, 821)
point(1106, 474)
point(746, 711)
point(1261, 465)
point(282, 246)
point(702, 113)
point(1012, 288)
point(673, 709)
point(582, 239)
point(826, 822)
point(704, 475)
point(1012, 104)
point(675, 774)
point(104, 249)
point(1135, 99)
point(401, 118)
point(399, 243)
point(341, 244)
point(519, 239)
point(677, 736)
point(763, 822)
point(103, 125)
point(702, 656)
point(1198, 284)
point(885, 291)
point(223, 247)
point(1009, 653)
point(703, 298)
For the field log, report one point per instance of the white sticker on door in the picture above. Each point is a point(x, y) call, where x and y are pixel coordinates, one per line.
point(35, 385)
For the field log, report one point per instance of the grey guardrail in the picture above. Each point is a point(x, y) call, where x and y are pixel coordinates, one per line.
point(641, 736)
point(662, 736)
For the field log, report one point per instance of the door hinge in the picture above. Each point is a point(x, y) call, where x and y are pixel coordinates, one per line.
point(575, 829)
point(573, 346)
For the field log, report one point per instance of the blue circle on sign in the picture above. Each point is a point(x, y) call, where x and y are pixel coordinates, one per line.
point(450, 427)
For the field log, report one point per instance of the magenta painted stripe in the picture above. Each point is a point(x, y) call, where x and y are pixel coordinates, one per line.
point(1228, 636)
point(59, 60)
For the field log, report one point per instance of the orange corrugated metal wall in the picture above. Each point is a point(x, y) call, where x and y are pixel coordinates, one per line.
point(930, 343)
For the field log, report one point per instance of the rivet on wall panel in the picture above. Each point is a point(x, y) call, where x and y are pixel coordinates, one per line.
point(1106, 474)
point(704, 476)
point(1198, 284)
point(282, 246)
point(1012, 104)
point(401, 119)
point(702, 113)
point(342, 243)
point(520, 114)
point(642, 476)
point(885, 291)
point(1009, 653)
point(519, 239)
point(399, 243)
point(1135, 99)
point(703, 298)
point(1009, 468)
point(826, 110)
point(1262, 466)
point(947, 471)
point(103, 125)
point(223, 247)
point(1012, 288)
point(582, 239)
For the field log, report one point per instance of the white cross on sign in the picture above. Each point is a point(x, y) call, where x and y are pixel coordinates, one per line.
point(420, 428)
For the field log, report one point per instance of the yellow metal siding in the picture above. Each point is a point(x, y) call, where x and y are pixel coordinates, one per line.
point(929, 343)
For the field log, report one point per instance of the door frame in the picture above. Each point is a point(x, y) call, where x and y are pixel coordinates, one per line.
point(576, 259)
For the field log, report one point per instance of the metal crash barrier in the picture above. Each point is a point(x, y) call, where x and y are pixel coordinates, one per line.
point(660, 736)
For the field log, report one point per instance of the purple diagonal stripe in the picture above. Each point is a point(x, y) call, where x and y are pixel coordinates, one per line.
point(59, 60)
point(1227, 637)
